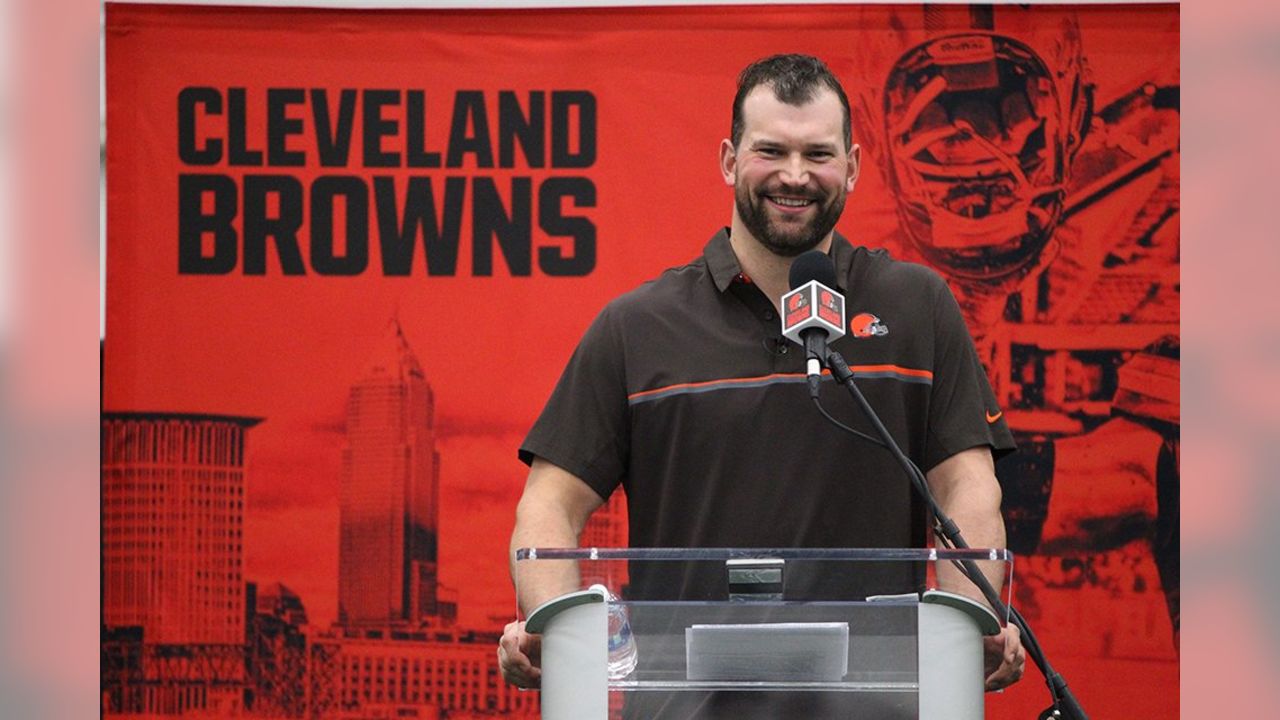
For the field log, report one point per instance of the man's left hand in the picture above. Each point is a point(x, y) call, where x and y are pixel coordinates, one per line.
point(1004, 658)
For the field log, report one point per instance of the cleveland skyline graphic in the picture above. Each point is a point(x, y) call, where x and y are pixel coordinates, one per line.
point(184, 633)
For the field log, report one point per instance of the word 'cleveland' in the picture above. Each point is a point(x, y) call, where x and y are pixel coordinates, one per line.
point(393, 130)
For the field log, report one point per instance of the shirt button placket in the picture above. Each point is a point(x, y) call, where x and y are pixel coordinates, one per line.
point(776, 343)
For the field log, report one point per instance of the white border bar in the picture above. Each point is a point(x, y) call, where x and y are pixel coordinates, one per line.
point(545, 4)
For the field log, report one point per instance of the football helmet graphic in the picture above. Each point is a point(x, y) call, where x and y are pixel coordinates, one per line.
point(865, 325)
point(976, 130)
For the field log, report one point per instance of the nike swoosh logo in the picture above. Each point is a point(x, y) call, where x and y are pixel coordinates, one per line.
point(992, 418)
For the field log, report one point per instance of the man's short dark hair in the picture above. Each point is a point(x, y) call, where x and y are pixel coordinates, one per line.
point(796, 80)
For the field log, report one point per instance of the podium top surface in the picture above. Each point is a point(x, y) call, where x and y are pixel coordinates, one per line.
point(712, 575)
point(826, 554)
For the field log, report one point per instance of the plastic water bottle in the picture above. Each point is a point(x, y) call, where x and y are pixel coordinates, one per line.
point(622, 644)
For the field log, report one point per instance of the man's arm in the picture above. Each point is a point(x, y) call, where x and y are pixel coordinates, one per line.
point(552, 512)
point(966, 489)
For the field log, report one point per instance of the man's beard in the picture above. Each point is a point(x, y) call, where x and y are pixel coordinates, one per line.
point(786, 241)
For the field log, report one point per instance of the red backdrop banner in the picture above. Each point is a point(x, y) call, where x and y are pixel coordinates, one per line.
point(337, 238)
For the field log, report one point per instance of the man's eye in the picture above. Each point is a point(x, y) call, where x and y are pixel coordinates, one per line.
point(820, 155)
point(769, 152)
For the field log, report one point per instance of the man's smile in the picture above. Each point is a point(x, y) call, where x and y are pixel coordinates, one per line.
point(789, 203)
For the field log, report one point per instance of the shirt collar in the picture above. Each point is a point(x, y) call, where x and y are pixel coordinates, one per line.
point(721, 262)
point(724, 268)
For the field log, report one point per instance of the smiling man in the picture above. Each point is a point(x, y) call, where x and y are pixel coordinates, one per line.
point(792, 168)
point(682, 392)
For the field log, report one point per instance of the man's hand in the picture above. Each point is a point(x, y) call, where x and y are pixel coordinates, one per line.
point(519, 655)
point(1004, 658)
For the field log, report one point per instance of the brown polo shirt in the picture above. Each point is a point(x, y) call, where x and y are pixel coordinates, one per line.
point(685, 393)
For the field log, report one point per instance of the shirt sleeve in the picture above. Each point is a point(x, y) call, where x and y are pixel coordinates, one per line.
point(962, 407)
point(584, 426)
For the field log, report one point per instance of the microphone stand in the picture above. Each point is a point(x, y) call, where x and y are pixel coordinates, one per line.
point(1065, 705)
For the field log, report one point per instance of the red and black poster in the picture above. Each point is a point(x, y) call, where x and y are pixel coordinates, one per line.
point(350, 251)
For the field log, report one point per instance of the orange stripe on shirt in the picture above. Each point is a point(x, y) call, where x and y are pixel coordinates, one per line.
point(897, 369)
point(730, 382)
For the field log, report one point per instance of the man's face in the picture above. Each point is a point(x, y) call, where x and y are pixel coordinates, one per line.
point(791, 171)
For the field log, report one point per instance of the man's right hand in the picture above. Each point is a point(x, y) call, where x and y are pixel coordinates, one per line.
point(519, 656)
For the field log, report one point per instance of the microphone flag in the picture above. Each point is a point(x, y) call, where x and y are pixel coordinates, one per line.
point(812, 305)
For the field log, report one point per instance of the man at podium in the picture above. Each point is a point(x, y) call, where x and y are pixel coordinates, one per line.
point(684, 392)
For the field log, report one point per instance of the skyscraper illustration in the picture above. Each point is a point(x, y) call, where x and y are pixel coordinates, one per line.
point(173, 605)
point(387, 562)
point(276, 651)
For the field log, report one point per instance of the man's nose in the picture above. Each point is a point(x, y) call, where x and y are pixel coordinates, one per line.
point(795, 170)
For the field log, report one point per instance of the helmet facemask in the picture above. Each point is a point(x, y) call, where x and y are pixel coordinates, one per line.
point(977, 152)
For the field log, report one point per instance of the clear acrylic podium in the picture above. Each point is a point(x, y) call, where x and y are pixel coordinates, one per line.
point(746, 633)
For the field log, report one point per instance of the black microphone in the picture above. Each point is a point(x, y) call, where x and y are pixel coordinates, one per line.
point(813, 312)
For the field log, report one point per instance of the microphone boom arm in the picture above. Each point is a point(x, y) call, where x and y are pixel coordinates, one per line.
point(1065, 704)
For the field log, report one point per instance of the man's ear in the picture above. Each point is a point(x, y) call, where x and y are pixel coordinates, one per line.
point(855, 165)
point(728, 162)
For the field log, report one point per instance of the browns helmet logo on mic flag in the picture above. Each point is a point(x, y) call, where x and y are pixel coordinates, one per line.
point(830, 307)
point(797, 301)
point(799, 309)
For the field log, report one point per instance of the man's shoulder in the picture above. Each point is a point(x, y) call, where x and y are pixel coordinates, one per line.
point(877, 268)
point(672, 287)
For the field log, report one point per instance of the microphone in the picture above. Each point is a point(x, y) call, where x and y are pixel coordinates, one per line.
point(813, 312)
